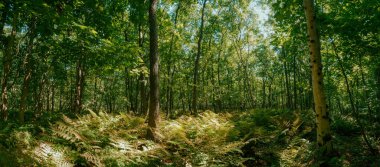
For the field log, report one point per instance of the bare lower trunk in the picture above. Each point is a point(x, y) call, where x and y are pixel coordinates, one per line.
point(196, 65)
point(79, 86)
point(143, 95)
point(28, 72)
point(154, 105)
point(7, 63)
point(324, 138)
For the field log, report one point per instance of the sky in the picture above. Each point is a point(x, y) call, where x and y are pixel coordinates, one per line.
point(263, 16)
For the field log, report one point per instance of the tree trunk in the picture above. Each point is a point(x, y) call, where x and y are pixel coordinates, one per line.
point(264, 95)
point(295, 102)
point(143, 95)
point(154, 105)
point(127, 90)
point(28, 72)
point(61, 90)
point(79, 86)
point(196, 65)
point(324, 138)
point(288, 97)
point(39, 99)
point(351, 97)
point(52, 97)
point(170, 73)
point(7, 63)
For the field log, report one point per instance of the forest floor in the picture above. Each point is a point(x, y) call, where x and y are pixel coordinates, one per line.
point(251, 138)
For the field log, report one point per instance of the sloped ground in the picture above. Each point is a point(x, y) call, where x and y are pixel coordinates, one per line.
point(254, 138)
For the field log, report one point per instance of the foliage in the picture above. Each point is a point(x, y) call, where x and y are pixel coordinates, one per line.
point(210, 139)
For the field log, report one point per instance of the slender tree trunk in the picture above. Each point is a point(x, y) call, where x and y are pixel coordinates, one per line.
point(79, 86)
point(28, 72)
point(270, 100)
point(197, 58)
point(61, 90)
point(52, 97)
point(154, 106)
point(264, 95)
point(95, 93)
point(352, 102)
point(39, 99)
point(288, 97)
point(143, 95)
point(366, 92)
point(142, 82)
point(295, 82)
point(127, 90)
point(219, 101)
point(7, 64)
point(170, 73)
point(171, 93)
point(324, 138)
point(47, 96)
point(4, 14)
point(377, 77)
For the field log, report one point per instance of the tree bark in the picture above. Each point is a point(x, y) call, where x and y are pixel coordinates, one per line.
point(79, 85)
point(197, 58)
point(143, 95)
point(324, 138)
point(295, 102)
point(154, 105)
point(28, 72)
point(7, 63)
point(288, 97)
point(170, 72)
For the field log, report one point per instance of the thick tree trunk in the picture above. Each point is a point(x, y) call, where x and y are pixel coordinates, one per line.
point(154, 105)
point(324, 138)
point(197, 59)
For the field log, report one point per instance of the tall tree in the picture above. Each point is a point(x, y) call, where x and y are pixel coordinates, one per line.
point(7, 61)
point(154, 105)
point(322, 115)
point(197, 58)
point(28, 69)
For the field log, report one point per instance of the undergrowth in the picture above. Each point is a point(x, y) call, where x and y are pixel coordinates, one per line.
point(253, 138)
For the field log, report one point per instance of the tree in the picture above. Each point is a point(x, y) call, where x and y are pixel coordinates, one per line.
point(154, 105)
point(8, 51)
point(196, 65)
point(324, 138)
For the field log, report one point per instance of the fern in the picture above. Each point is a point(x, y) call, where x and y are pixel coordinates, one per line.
point(46, 154)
